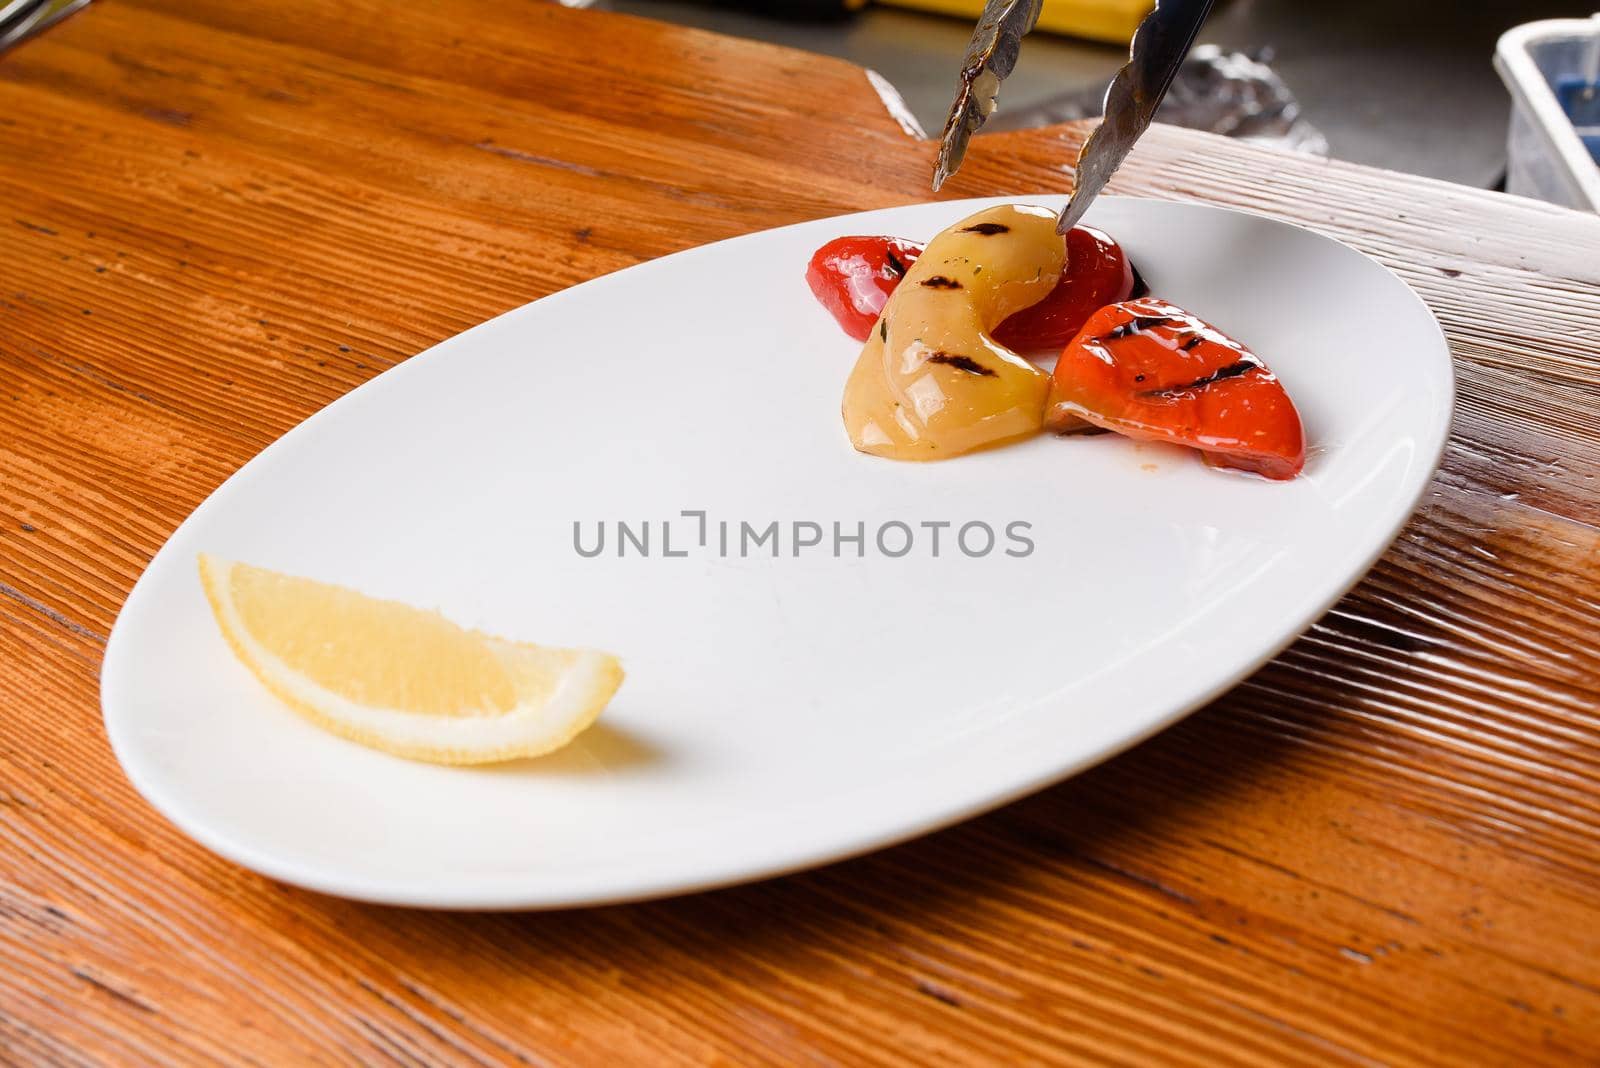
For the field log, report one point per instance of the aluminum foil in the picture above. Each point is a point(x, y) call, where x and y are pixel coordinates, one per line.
point(1235, 94)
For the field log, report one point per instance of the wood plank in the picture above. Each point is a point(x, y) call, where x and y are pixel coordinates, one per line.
point(218, 218)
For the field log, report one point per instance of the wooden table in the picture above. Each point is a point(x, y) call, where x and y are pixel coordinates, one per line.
point(217, 217)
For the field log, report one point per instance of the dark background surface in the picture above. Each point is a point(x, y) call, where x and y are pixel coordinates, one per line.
point(1402, 84)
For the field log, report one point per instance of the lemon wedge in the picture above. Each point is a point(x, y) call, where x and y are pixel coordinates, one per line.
point(401, 679)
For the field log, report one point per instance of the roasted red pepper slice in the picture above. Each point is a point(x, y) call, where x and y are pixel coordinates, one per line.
point(853, 276)
point(1149, 369)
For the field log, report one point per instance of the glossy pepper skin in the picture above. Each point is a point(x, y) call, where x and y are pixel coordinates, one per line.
point(853, 277)
point(1148, 369)
point(932, 382)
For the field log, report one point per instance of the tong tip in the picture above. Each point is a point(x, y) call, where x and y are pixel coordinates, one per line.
point(991, 55)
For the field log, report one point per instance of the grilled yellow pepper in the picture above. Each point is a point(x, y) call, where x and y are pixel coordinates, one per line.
point(932, 382)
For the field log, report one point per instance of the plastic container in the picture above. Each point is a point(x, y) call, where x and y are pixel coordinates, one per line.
point(1553, 71)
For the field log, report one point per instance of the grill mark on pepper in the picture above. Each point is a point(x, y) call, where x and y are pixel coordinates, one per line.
point(895, 265)
point(963, 363)
point(1190, 344)
point(939, 281)
point(1137, 324)
point(1233, 370)
point(986, 229)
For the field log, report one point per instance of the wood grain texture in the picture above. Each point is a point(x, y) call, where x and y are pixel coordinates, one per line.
point(215, 218)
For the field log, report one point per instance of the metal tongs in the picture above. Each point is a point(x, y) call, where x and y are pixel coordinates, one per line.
point(21, 19)
point(1157, 50)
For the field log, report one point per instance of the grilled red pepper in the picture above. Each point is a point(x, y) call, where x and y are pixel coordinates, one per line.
point(853, 276)
point(1149, 369)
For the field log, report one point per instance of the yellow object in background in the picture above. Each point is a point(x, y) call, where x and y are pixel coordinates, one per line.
point(1101, 20)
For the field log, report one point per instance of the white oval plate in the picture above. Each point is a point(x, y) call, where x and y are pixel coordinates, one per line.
point(778, 712)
